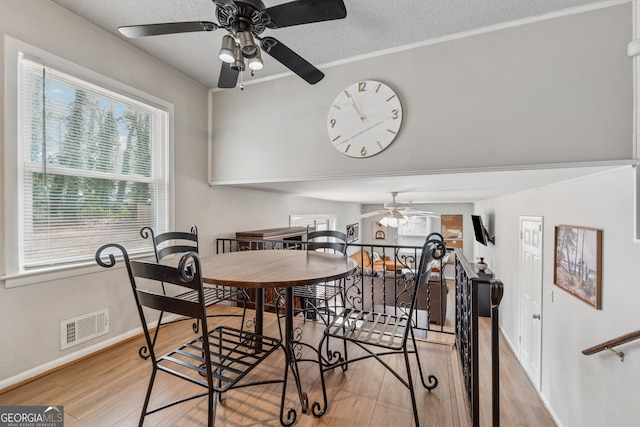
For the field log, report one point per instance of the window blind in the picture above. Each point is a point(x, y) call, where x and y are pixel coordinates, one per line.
point(93, 168)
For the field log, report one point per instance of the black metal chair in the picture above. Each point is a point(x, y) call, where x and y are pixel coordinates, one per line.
point(217, 359)
point(323, 299)
point(178, 243)
point(381, 334)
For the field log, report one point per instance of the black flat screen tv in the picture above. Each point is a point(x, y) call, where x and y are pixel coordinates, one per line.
point(481, 233)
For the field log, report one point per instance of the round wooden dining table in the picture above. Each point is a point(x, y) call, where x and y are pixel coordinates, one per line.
point(260, 269)
point(274, 268)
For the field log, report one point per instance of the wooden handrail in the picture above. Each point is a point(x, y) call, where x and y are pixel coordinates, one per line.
point(608, 345)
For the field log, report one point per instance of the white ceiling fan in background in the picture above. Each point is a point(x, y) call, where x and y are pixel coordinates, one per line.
point(397, 213)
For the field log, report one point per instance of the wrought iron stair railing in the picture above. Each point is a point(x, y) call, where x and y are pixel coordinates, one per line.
point(467, 312)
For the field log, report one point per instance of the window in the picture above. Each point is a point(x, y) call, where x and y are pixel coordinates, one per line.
point(318, 222)
point(416, 230)
point(92, 168)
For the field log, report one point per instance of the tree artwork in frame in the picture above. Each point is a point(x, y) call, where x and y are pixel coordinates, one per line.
point(578, 262)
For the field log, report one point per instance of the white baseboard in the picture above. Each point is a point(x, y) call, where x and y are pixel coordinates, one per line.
point(71, 357)
point(545, 402)
point(548, 406)
point(49, 366)
point(508, 341)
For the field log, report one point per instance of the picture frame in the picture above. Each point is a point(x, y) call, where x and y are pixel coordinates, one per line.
point(379, 231)
point(451, 226)
point(578, 262)
point(353, 232)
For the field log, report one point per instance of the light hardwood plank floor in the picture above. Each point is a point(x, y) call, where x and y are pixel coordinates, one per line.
point(108, 388)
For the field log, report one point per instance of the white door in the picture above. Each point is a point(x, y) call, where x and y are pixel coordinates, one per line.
point(531, 296)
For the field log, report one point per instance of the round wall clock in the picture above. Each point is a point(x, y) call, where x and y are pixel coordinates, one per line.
point(364, 119)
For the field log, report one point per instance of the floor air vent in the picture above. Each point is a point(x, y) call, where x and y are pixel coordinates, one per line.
point(83, 328)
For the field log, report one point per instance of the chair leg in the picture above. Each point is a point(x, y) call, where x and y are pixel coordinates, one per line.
point(317, 409)
point(245, 300)
point(343, 297)
point(212, 408)
point(345, 366)
point(145, 406)
point(145, 352)
point(276, 304)
point(410, 386)
point(433, 381)
point(291, 413)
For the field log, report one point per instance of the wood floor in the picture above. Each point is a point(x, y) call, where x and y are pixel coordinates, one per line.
point(108, 389)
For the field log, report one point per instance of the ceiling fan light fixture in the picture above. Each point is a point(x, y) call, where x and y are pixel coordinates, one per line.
point(249, 48)
point(238, 63)
point(256, 63)
point(227, 51)
point(390, 221)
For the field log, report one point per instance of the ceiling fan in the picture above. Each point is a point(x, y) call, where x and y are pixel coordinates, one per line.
point(397, 213)
point(246, 19)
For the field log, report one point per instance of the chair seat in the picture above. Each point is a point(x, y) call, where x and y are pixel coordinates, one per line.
point(320, 292)
point(232, 357)
point(213, 295)
point(368, 327)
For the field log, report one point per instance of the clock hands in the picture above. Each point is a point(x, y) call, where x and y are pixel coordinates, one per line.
point(363, 131)
point(355, 107)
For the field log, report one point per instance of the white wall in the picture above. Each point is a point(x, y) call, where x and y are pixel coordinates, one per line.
point(29, 330)
point(583, 391)
point(532, 94)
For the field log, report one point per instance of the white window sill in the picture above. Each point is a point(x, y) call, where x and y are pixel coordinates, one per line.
point(50, 274)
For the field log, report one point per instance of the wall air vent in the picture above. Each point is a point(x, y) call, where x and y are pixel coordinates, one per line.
point(83, 328)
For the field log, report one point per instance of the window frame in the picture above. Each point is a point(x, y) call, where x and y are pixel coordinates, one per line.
point(317, 221)
point(14, 274)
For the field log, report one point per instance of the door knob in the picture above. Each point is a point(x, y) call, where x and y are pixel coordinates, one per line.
point(536, 316)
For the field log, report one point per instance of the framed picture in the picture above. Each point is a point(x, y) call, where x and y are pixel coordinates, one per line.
point(451, 226)
point(353, 232)
point(379, 231)
point(578, 262)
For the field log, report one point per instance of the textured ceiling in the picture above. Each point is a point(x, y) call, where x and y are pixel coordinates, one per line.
point(371, 26)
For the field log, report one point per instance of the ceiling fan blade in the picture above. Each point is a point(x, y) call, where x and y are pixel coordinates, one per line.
point(374, 213)
point(228, 77)
point(416, 212)
point(396, 214)
point(305, 12)
point(291, 60)
point(133, 31)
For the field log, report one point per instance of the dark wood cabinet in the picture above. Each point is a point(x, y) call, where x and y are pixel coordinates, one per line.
point(268, 239)
point(263, 238)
